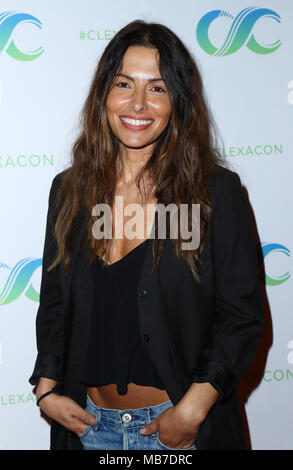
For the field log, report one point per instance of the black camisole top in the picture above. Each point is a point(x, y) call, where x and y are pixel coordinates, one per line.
point(115, 351)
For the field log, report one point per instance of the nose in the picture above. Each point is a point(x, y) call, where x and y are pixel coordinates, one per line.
point(138, 100)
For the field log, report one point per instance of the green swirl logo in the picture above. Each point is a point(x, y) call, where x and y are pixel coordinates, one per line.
point(8, 22)
point(267, 249)
point(19, 281)
point(240, 33)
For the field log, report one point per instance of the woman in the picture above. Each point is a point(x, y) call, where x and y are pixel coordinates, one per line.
point(141, 343)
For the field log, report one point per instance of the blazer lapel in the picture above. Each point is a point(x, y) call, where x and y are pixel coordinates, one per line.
point(77, 236)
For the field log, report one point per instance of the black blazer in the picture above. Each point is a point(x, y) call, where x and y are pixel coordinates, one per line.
point(192, 332)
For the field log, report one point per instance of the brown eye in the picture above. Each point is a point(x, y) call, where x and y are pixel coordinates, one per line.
point(158, 89)
point(122, 84)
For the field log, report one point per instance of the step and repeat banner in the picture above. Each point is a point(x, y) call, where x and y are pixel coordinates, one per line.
point(48, 53)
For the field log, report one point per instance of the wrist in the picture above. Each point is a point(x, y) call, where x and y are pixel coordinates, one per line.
point(191, 412)
point(198, 400)
point(44, 397)
point(44, 386)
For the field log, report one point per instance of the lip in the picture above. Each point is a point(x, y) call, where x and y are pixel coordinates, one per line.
point(135, 128)
point(140, 118)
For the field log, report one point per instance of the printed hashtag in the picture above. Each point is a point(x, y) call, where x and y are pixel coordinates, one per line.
point(82, 35)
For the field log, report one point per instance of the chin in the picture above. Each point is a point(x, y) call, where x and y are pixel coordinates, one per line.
point(135, 144)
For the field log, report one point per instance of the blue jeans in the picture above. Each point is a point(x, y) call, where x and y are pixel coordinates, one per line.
point(119, 429)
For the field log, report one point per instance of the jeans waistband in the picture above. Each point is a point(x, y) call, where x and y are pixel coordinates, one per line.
point(134, 416)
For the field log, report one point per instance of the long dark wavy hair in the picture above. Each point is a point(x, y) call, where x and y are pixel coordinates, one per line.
point(183, 156)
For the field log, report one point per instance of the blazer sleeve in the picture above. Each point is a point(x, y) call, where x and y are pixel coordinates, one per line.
point(49, 319)
point(239, 313)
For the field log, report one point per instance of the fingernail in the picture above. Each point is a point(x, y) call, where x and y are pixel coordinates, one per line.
point(143, 430)
point(93, 420)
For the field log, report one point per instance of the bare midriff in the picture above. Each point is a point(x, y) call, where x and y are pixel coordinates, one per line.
point(137, 396)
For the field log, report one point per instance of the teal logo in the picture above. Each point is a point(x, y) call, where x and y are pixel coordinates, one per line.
point(240, 33)
point(267, 249)
point(19, 281)
point(8, 22)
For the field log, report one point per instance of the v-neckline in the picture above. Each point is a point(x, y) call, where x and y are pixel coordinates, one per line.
point(126, 256)
point(131, 251)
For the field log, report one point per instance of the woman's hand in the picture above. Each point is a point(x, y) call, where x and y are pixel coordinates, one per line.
point(66, 412)
point(178, 425)
point(177, 429)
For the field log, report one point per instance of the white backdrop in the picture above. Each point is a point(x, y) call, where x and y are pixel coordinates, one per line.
point(48, 53)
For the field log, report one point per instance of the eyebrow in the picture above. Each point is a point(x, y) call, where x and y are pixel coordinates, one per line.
point(150, 80)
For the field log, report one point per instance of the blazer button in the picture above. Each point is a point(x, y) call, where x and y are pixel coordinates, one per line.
point(143, 293)
point(146, 338)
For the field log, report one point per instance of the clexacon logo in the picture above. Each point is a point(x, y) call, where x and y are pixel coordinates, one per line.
point(9, 20)
point(16, 399)
point(269, 248)
point(248, 150)
point(19, 281)
point(240, 32)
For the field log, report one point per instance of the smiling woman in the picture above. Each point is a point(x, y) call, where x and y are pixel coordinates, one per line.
point(138, 105)
point(141, 342)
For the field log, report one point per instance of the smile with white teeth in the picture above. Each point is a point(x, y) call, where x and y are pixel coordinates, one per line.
point(136, 122)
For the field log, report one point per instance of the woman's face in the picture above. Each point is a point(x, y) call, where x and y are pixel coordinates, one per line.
point(138, 106)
